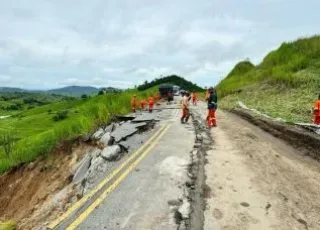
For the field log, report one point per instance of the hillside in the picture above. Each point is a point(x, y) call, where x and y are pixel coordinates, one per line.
point(285, 84)
point(30, 133)
point(75, 90)
point(172, 79)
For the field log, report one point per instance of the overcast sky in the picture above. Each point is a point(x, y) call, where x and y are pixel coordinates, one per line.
point(48, 44)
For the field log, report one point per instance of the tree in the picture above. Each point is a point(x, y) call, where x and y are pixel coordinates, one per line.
point(84, 96)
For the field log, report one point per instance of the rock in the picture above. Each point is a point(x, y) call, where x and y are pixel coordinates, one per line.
point(96, 162)
point(98, 134)
point(199, 137)
point(111, 153)
point(106, 139)
point(184, 209)
point(82, 169)
point(31, 165)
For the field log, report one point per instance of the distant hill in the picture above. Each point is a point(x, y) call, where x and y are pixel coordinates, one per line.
point(285, 84)
point(75, 90)
point(11, 90)
point(172, 79)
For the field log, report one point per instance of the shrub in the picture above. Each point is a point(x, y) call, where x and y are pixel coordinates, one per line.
point(61, 115)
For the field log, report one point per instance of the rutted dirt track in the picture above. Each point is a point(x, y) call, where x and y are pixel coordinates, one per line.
point(258, 181)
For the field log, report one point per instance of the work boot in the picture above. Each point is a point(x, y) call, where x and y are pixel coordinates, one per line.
point(182, 120)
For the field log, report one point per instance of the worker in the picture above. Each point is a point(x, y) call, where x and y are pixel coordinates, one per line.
point(212, 107)
point(150, 102)
point(316, 111)
point(185, 108)
point(194, 98)
point(134, 103)
point(142, 104)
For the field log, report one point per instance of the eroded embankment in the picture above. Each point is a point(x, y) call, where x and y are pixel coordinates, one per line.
point(308, 143)
point(34, 194)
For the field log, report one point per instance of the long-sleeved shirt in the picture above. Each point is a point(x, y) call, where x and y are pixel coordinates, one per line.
point(212, 101)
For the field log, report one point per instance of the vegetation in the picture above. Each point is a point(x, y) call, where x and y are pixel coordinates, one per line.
point(284, 85)
point(37, 131)
point(172, 79)
point(8, 225)
point(14, 102)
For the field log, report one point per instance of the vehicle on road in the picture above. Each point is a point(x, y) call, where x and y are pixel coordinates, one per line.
point(166, 91)
point(176, 90)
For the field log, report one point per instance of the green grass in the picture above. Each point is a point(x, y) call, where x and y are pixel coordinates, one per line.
point(39, 134)
point(8, 225)
point(284, 85)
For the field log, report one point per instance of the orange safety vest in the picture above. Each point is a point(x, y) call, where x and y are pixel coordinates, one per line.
point(317, 108)
point(133, 101)
point(150, 100)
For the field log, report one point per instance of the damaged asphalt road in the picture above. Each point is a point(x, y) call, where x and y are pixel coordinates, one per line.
point(145, 176)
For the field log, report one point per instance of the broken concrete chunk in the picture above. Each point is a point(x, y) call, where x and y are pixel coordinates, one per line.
point(94, 152)
point(96, 163)
point(144, 117)
point(110, 128)
point(185, 209)
point(106, 139)
point(125, 145)
point(82, 169)
point(98, 134)
point(111, 153)
point(123, 132)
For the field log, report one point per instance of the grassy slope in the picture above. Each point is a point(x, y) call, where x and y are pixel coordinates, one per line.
point(284, 85)
point(38, 134)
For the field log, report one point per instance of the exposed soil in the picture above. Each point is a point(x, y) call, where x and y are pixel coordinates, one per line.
point(307, 142)
point(258, 181)
point(26, 189)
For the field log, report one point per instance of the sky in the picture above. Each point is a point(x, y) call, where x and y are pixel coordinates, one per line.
point(121, 43)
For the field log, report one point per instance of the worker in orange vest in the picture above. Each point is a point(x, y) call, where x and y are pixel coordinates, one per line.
point(142, 104)
point(194, 98)
point(185, 108)
point(150, 102)
point(212, 107)
point(134, 103)
point(316, 112)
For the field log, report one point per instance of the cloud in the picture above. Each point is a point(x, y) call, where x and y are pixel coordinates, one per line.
point(48, 44)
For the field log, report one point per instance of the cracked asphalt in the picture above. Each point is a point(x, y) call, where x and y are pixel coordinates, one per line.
point(137, 198)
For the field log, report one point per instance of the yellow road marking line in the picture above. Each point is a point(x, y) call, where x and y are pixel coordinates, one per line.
point(103, 196)
point(84, 199)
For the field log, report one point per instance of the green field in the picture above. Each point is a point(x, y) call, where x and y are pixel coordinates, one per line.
point(34, 132)
point(285, 84)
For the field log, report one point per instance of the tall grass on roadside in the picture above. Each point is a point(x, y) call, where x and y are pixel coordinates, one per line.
point(284, 85)
point(94, 112)
point(282, 66)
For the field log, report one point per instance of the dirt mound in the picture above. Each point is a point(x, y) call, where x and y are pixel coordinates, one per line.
point(26, 188)
point(308, 143)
